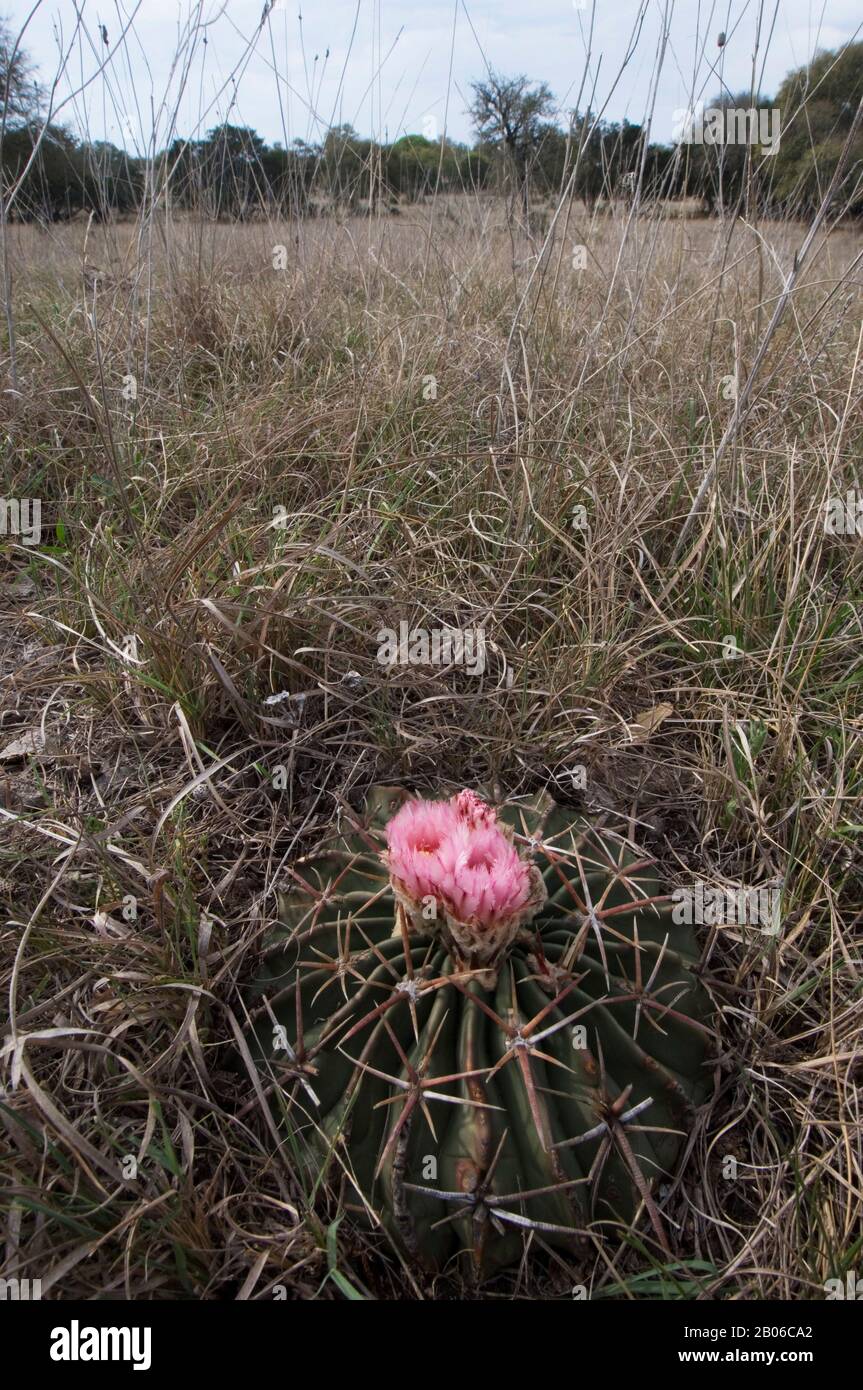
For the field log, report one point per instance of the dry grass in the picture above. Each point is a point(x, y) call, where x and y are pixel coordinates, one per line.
point(308, 389)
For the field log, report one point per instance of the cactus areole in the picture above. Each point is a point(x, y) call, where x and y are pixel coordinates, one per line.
point(483, 1025)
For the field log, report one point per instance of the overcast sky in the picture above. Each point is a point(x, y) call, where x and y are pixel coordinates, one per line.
point(398, 67)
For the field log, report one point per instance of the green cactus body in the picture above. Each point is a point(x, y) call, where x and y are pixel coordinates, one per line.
point(449, 1095)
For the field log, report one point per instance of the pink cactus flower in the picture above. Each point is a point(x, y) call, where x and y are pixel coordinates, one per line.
point(415, 838)
point(456, 853)
point(482, 877)
point(473, 810)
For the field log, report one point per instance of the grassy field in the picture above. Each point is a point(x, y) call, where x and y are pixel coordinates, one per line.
point(245, 473)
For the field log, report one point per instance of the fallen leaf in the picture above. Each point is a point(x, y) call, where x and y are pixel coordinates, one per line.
point(30, 742)
point(644, 724)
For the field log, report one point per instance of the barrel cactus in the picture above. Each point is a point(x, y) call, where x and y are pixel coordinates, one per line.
point(484, 1022)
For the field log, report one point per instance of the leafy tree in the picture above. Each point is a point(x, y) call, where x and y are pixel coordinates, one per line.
point(347, 167)
point(513, 114)
point(67, 177)
point(813, 137)
point(228, 164)
point(415, 165)
point(20, 96)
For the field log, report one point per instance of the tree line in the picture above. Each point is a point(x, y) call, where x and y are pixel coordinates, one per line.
point(522, 150)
